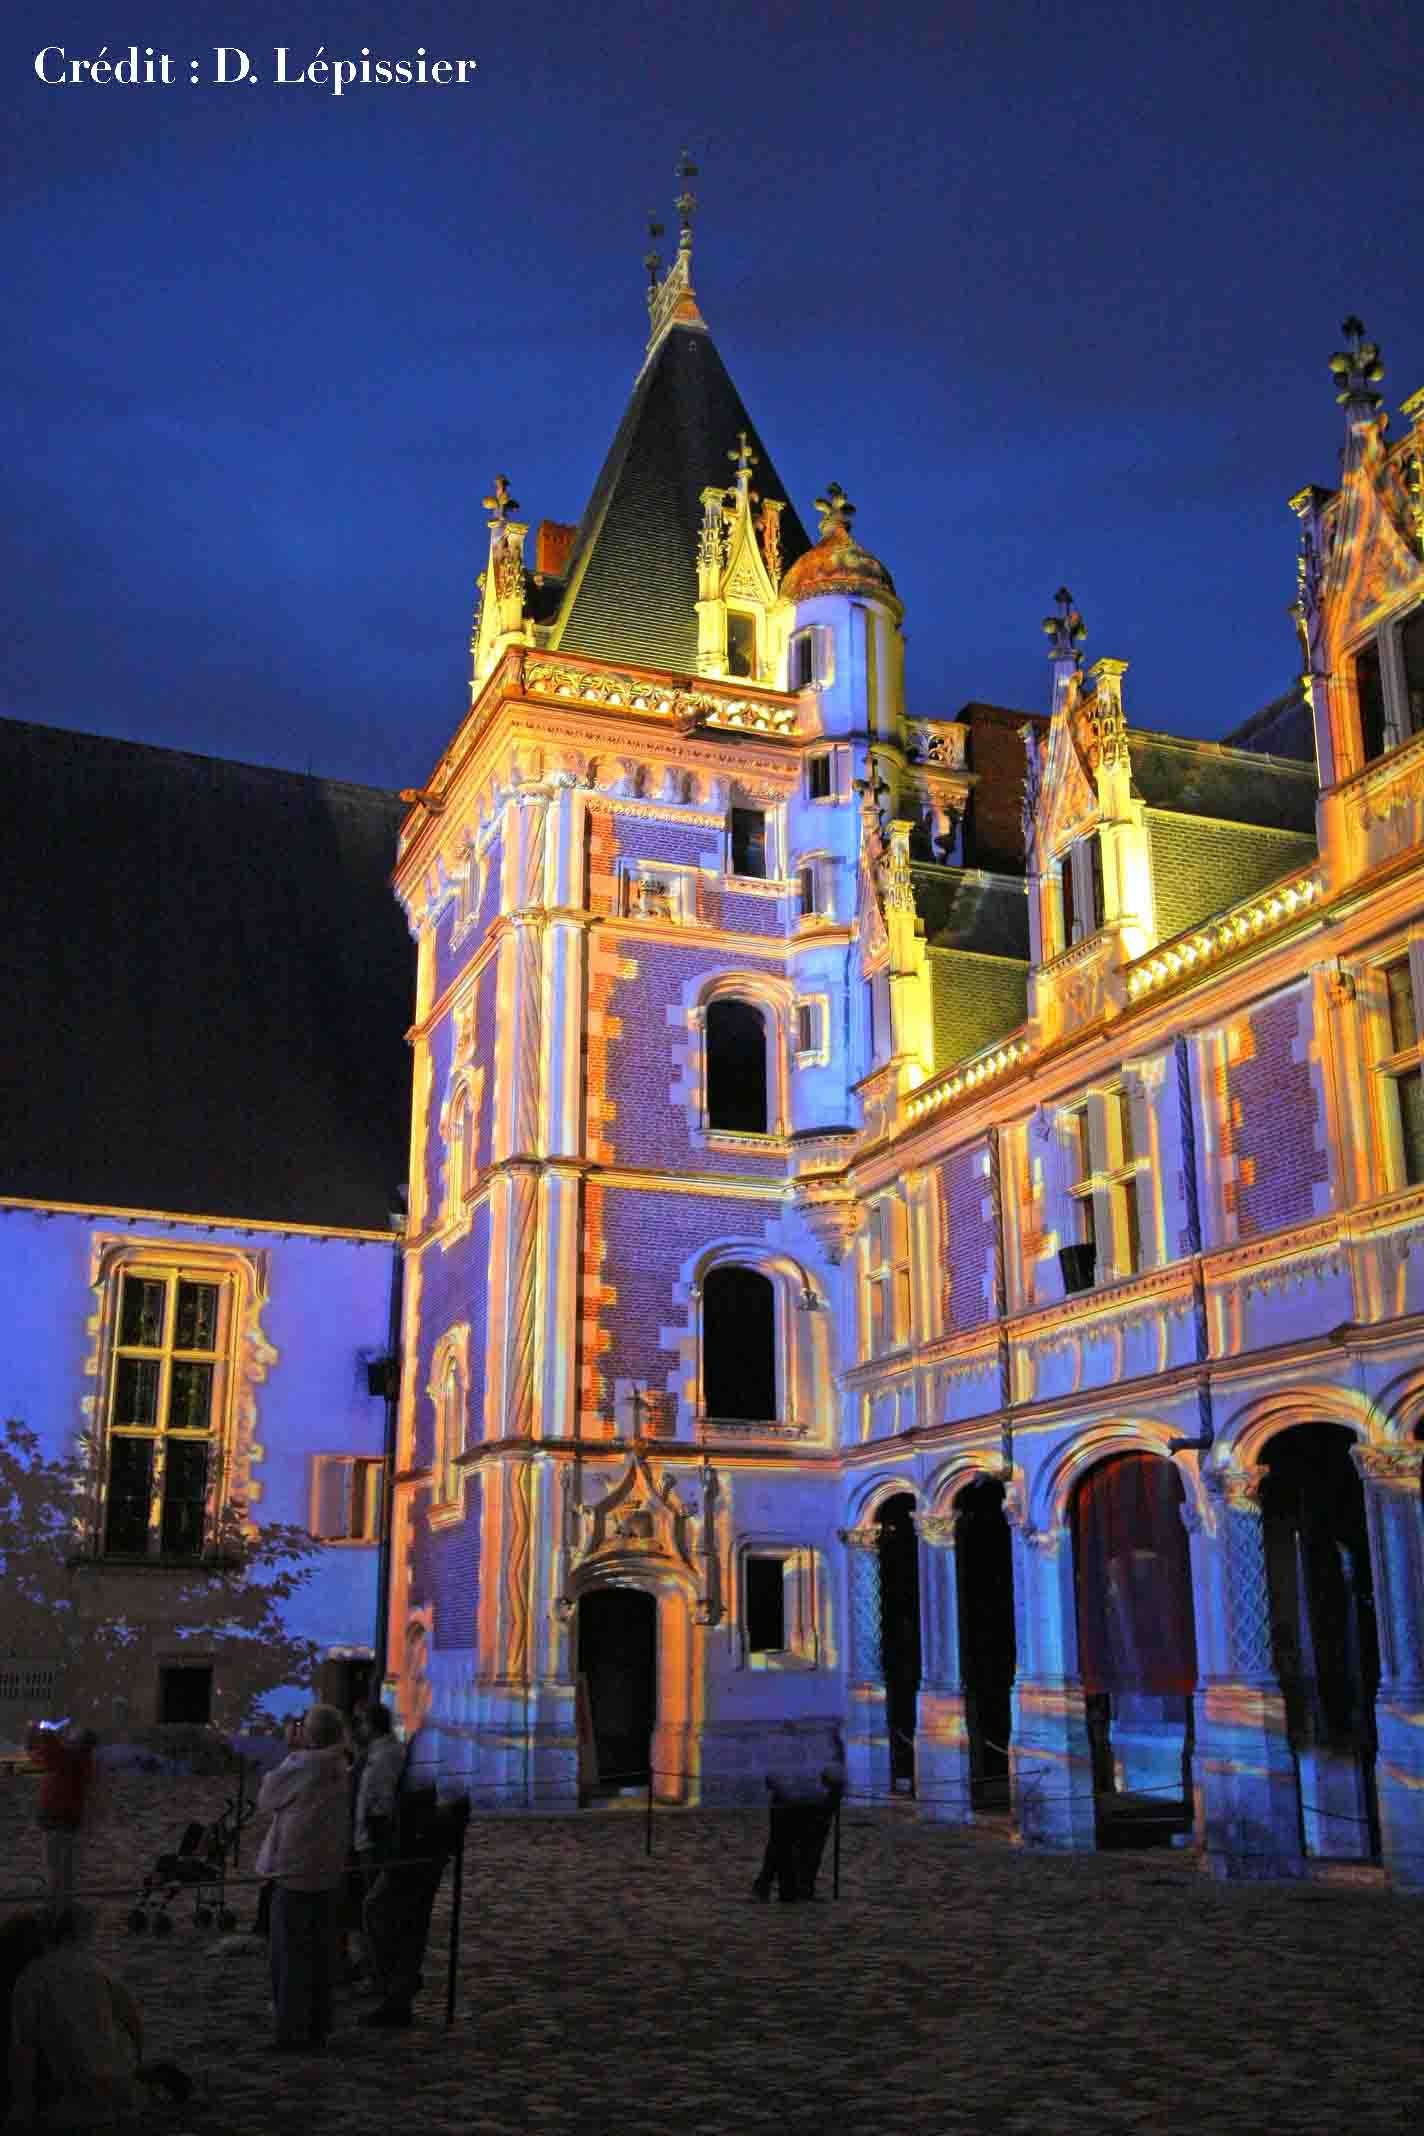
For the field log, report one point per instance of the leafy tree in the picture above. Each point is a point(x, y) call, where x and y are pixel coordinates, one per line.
point(60, 1605)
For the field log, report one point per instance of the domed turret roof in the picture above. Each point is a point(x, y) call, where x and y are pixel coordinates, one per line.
point(838, 563)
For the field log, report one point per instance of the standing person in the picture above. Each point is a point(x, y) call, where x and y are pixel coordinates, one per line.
point(400, 1902)
point(801, 1814)
point(65, 1756)
point(304, 1853)
point(377, 1783)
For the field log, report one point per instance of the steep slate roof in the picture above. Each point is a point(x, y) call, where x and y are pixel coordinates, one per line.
point(1230, 785)
point(632, 580)
point(208, 980)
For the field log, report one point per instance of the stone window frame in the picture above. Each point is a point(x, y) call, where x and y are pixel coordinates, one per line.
point(449, 1390)
point(459, 1132)
point(358, 1480)
point(820, 866)
point(1089, 892)
point(1385, 640)
point(801, 1650)
point(887, 1257)
point(1100, 1172)
point(819, 640)
point(773, 998)
point(242, 1356)
point(1392, 1062)
point(816, 1053)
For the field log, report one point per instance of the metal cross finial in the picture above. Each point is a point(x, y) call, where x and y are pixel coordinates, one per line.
point(1066, 630)
point(836, 510)
point(686, 200)
point(745, 460)
point(1357, 368)
point(501, 503)
point(652, 258)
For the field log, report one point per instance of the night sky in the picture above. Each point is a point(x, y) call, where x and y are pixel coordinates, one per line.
point(1051, 289)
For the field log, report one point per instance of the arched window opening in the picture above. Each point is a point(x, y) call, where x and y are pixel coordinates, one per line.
point(1137, 1645)
point(899, 1551)
point(449, 1431)
point(736, 1067)
point(739, 1345)
point(458, 1163)
point(1323, 1630)
point(984, 1569)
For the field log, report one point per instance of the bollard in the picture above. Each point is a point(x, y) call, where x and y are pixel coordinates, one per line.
point(836, 1854)
point(648, 1839)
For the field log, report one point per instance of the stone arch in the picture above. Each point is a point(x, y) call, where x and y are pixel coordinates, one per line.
point(774, 1000)
point(958, 1474)
point(881, 1486)
point(675, 1750)
point(1397, 1413)
point(1244, 1438)
point(802, 1335)
point(1050, 1494)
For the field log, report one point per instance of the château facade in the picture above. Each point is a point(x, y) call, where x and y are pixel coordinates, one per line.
point(916, 1222)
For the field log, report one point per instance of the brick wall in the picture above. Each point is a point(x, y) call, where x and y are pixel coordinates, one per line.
point(996, 753)
point(966, 1279)
point(1274, 1126)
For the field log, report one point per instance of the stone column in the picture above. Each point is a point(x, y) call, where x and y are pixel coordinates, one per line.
point(1247, 1793)
point(1050, 1763)
point(867, 1728)
point(1390, 1475)
point(942, 1766)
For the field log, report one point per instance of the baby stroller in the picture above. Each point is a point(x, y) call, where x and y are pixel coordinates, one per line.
point(199, 1865)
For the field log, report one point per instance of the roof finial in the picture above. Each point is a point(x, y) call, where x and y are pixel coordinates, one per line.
point(1357, 368)
point(836, 510)
point(686, 201)
point(745, 460)
point(652, 258)
point(502, 504)
point(1066, 630)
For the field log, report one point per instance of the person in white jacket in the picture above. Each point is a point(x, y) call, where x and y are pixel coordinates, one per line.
point(304, 1853)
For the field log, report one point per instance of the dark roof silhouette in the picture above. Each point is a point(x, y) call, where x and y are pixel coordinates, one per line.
point(208, 982)
point(632, 579)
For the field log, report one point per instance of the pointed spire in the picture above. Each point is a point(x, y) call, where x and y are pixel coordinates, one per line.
point(686, 201)
point(1357, 368)
point(672, 301)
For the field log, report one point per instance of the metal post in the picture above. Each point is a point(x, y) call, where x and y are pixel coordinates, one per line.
point(455, 1898)
point(237, 1827)
point(648, 1837)
point(836, 1855)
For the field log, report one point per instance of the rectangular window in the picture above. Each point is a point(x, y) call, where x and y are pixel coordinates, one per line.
point(1411, 650)
point(1403, 1068)
point(1101, 1183)
point(163, 1412)
point(1093, 846)
point(887, 1275)
point(809, 904)
point(1066, 900)
point(802, 664)
point(346, 1498)
point(749, 842)
point(806, 1021)
point(818, 777)
point(185, 1693)
point(741, 644)
point(766, 1604)
point(1369, 691)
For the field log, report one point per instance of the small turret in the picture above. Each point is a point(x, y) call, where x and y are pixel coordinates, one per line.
point(845, 640)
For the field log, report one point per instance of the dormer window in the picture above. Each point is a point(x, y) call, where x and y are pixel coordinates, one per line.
point(1081, 910)
point(1389, 686)
point(741, 644)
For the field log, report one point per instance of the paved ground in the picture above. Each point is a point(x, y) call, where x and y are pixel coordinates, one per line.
point(957, 1985)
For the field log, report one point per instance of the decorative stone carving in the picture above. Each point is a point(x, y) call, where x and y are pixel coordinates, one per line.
point(1392, 1467)
point(863, 1547)
point(1066, 631)
point(833, 1220)
point(1241, 1535)
point(938, 1530)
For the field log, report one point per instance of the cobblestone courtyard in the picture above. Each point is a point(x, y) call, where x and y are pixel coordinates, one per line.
point(958, 1985)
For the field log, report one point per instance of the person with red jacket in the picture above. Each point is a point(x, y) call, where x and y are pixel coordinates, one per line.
point(65, 1757)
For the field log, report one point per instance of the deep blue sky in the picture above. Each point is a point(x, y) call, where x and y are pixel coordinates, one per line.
point(1049, 288)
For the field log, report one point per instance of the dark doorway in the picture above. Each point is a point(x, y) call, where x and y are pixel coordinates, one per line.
point(1137, 1646)
point(739, 1345)
point(736, 1066)
point(900, 1632)
point(617, 1659)
point(984, 1568)
point(344, 1680)
point(1323, 1631)
point(185, 1694)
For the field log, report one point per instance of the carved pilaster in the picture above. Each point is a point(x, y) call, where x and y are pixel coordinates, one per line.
point(1246, 1594)
point(863, 1574)
point(939, 1610)
point(523, 1261)
point(1391, 1479)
